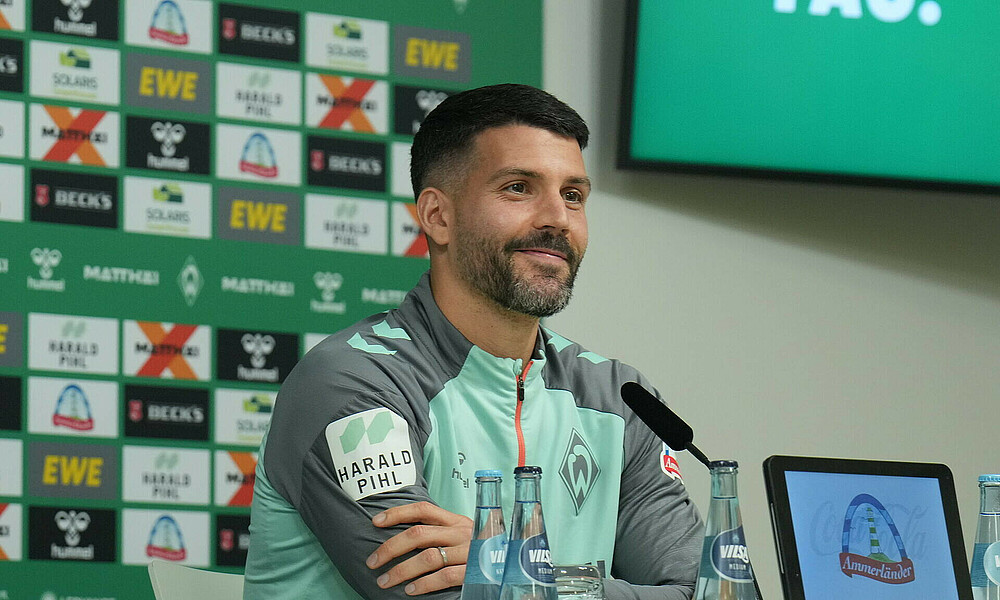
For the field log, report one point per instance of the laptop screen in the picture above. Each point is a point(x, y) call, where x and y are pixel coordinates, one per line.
point(870, 537)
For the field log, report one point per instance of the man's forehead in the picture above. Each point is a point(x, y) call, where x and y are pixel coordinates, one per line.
point(528, 151)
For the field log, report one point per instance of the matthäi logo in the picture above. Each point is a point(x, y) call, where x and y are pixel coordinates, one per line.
point(328, 284)
point(46, 259)
point(190, 281)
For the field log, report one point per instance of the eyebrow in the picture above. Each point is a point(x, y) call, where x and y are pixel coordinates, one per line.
point(529, 174)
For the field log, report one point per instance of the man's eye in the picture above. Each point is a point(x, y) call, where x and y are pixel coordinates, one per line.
point(517, 188)
point(573, 196)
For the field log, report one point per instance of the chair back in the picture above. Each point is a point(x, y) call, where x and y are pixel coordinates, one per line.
point(177, 582)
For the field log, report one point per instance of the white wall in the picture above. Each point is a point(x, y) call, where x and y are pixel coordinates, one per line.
point(784, 318)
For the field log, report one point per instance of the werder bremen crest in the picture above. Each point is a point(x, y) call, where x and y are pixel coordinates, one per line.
point(579, 470)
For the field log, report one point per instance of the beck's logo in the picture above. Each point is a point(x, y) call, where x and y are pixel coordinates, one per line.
point(233, 533)
point(10, 405)
point(346, 164)
point(166, 412)
point(11, 61)
point(61, 197)
point(579, 470)
point(258, 32)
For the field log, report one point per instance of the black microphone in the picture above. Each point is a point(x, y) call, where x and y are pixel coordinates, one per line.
point(665, 424)
point(668, 427)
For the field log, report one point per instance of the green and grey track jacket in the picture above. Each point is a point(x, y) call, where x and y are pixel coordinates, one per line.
point(401, 408)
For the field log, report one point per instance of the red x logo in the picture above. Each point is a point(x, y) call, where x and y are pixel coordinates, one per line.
point(167, 352)
point(75, 133)
point(419, 246)
point(247, 465)
point(348, 102)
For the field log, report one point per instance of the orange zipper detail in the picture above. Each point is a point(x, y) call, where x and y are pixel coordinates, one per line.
point(517, 414)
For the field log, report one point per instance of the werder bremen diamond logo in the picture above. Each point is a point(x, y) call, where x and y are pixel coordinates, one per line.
point(376, 431)
point(190, 281)
point(579, 470)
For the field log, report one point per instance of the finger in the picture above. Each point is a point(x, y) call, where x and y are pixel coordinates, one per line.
point(424, 562)
point(421, 536)
point(439, 580)
point(416, 512)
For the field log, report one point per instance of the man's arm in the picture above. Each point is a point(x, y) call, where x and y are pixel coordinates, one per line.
point(660, 534)
point(344, 446)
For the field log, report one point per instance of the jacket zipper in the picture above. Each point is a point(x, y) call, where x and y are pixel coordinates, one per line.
point(517, 413)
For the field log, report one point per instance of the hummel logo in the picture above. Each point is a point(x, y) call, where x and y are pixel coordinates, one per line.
point(169, 135)
point(46, 260)
point(328, 283)
point(257, 346)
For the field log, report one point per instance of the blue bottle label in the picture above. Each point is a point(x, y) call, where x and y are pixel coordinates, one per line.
point(486, 560)
point(730, 558)
point(534, 560)
point(986, 565)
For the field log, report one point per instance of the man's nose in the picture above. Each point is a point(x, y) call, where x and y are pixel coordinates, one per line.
point(552, 212)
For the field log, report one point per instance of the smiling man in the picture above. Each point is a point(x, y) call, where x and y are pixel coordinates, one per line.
point(364, 486)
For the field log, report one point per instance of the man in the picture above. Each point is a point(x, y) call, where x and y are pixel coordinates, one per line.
point(363, 482)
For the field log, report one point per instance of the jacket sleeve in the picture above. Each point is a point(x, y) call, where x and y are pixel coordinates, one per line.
point(660, 534)
point(344, 445)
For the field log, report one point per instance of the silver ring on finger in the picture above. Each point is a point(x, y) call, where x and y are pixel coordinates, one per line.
point(444, 556)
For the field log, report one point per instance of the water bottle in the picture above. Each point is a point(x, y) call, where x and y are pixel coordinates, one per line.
point(527, 573)
point(986, 554)
point(725, 572)
point(488, 549)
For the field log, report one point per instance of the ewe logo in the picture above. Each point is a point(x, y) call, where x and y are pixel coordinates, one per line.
point(887, 11)
point(168, 24)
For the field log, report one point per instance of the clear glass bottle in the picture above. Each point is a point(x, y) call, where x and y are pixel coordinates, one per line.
point(528, 571)
point(488, 549)
point(986, 553)
point(725, 572)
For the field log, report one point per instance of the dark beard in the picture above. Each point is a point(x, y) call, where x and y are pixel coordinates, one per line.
point(491, 271)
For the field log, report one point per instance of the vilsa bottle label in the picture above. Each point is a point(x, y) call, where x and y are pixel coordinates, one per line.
point(730, 558)
point(486, 560)
point(986, 565)
point(534, 560)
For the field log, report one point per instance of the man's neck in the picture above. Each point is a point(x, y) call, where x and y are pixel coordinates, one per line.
point(497, 330)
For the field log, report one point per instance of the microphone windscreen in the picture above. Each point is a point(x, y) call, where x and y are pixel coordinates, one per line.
point(665, 424)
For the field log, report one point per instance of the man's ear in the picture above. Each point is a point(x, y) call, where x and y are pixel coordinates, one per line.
point(436, 213)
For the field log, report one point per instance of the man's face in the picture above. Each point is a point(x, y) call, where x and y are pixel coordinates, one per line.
point(521, 229)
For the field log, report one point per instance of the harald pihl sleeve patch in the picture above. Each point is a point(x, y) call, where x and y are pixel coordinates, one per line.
point(371, 452)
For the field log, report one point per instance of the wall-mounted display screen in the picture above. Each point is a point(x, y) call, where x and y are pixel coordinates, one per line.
point(901, 92)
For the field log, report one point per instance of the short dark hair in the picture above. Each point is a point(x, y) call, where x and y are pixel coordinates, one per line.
point(447, 134)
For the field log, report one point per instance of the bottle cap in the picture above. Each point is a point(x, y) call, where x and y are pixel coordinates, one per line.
point(723, 463)
point(988, 478)
point(527, 470)
point(489, 473)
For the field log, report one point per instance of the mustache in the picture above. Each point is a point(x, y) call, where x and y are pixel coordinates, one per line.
point(547, 240)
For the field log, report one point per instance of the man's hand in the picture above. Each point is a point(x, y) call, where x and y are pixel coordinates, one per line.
point(433, 527)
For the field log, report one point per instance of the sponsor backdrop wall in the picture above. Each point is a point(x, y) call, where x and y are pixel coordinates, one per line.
point(192, 194)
